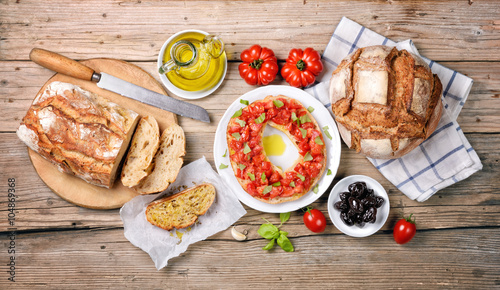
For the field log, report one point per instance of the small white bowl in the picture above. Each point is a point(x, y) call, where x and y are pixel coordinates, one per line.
point(369, 228)
point(180, 92)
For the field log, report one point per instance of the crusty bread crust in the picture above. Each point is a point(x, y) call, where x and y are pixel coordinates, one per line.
point(182, 209)
point(386, 102)
point(80, 132)
point(279, 199)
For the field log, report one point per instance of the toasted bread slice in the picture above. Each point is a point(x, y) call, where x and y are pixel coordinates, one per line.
point(182, 209)
point(166, 163)
point(145, 143)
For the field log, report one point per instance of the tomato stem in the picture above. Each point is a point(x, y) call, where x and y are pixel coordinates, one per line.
point(256, 64)
point(410, 220)
point(301, 65)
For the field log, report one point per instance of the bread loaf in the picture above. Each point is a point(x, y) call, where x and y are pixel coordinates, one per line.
point(144, 146)
point(166, 163)
point(80, 132)
point(182, 209)
point(385, 101)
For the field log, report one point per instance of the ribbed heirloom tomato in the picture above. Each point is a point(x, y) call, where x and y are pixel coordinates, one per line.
point(302, 67)
point(259, 66)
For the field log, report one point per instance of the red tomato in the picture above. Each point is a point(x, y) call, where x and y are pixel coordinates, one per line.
point(315, 220)
point(259, 66)
point(302, 67)
point(404, 230)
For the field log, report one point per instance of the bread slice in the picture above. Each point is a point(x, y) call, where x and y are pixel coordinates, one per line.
point(166, 163)
point(145, 144)
point(182, 209)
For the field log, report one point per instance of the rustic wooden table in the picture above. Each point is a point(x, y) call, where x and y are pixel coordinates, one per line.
point(47, 241)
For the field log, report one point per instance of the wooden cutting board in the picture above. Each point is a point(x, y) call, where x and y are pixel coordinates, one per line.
point(75, 190)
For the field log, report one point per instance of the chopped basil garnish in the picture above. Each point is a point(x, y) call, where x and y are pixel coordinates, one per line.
point(237, 113)
point(251, 175)
point(302, 178)
point(277, 184)
point(242, 166)
point(304, 132)
point(267, 189)
point(305, 119)
point(318, 141)
point(261, 118)
point(263, 177)
point(292, 184)
point(225, 153)
point(308, 157)
point(325, 129)
point(244, 102)
point(278, 103)
point(223, 166)
point(310, 109)
point(315, 189)
point(241, 122)
point(247, 149)
point(236, 136)
point(294, 116)
point(329, 172)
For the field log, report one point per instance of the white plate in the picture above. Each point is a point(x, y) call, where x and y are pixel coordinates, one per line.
point(368, 228)
point(180, 92)
point(322, 116)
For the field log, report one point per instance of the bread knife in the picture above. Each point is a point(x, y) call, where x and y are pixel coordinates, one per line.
point(72, 68)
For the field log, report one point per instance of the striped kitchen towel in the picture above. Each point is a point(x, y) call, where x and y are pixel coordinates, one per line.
point(446, 157)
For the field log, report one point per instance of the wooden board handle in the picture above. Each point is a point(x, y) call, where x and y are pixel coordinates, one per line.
point(61, 64)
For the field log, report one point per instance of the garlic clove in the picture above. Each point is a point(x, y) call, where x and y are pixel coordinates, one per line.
point(237, 235)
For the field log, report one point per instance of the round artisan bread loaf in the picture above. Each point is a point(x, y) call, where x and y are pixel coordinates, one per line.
point(385, 101)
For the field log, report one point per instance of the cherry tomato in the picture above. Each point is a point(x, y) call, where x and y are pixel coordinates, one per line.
point(315, 220)
point(259, 66)
point(404, 230)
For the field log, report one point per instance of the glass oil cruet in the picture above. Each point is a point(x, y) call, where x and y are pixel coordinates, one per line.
point(190, 59)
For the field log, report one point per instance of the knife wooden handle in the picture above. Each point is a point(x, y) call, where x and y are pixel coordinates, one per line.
point(61, 64)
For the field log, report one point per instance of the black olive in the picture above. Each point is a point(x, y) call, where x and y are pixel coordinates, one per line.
point(368, 201)
point(344, 195)
point(370, 215)
point(355, 205)
point(341, 205)
point(379, 201)
point(346, 218)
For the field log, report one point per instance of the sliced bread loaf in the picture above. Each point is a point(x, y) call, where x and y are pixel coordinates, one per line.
point(166, 163)
point(181, 209)
point(145, 144)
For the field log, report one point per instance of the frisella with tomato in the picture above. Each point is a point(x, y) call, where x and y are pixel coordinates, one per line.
point(302, 67)
point(404, 230)
point(259, 66)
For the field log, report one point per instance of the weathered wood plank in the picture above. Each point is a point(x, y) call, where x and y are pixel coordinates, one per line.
point(470, 203)
point(20, 81)
point(459, 258)
point(135, 30)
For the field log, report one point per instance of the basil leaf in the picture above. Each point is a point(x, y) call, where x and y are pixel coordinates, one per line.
point(251, 175)
point(269, 245)
point(329, 172)
point(294, 116)
point(237, 113)
point(308, 157)
point(304, 119)
point(284, 233)
point(244, 102)
point(236, 136)
point(242, 166)
point(301, 176)
point(261, 118)
point(318, 141)
point(304, 132)
point(263, 177)
point(277, 184)
point(284, 217)
point(278, 103)
point(268, 231)
point(310, 109)
point(292, 184)
point(325, 129)
point(225, 153)
point(247, 149)
point(241, 122)
point(316, 188)
point(267, 189)
point(285, 243)
point(223, 166)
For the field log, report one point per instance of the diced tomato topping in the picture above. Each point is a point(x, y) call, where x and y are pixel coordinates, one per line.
point(275, 177)
point(234, 129)
point(277, 190)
